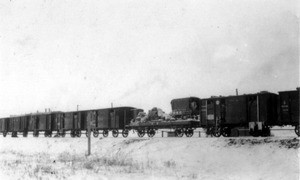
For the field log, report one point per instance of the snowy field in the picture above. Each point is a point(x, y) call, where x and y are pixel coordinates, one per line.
point(275, 157)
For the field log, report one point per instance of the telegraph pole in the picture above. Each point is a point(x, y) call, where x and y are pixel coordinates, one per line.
point(89, 117)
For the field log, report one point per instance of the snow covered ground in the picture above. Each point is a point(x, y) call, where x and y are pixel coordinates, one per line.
point(271, 158)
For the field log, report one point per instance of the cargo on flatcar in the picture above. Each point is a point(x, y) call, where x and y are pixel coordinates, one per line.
point(185, 107)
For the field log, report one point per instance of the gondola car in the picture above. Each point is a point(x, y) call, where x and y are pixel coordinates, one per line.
point(289, 108)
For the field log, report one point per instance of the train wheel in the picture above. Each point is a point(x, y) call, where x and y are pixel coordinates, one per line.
point(141, 133)
point(50, 134)
point(226, 132)
point(4, 134)
point(25, 134)
point(265, 131)
point(105, 133)
point(63, 134)
point(115, 133)
point(72, 134)
point(179, 132)
point(35, 133)
point(96, 133)
point(125, 133)
point(217, 131)
point(45, 134)
point(189, 132)
point(150, 132)
point(78, 133)
point(297, 130)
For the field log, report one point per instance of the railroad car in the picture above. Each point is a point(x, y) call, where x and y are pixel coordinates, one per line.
point(248, 114)
point(180, 127)
point(184, 108)
point(112, 119)
point(101, 121)
point(255, 112)
point(289, 108)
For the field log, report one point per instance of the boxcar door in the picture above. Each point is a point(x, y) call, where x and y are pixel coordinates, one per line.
point(112, 119)
point(76, 120)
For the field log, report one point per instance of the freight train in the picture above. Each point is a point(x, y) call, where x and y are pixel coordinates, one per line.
point(240, 115)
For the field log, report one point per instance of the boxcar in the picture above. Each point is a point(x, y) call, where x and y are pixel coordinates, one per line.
point(289, 108)
point(253, 111)
point(184, 108)
point(109, 119)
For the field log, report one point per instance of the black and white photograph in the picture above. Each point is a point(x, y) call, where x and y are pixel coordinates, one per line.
point(149, 89)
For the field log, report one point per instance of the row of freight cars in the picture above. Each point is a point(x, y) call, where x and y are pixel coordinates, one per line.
point(249, 114)
point(59, 123)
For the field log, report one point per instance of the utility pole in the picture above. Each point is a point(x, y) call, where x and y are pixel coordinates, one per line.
point(77, 107)
point(89, 117)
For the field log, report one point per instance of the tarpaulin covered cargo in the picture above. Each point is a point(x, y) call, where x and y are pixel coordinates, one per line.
point(186, 106)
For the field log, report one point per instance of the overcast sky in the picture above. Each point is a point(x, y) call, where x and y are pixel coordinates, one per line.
point(58, 54)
